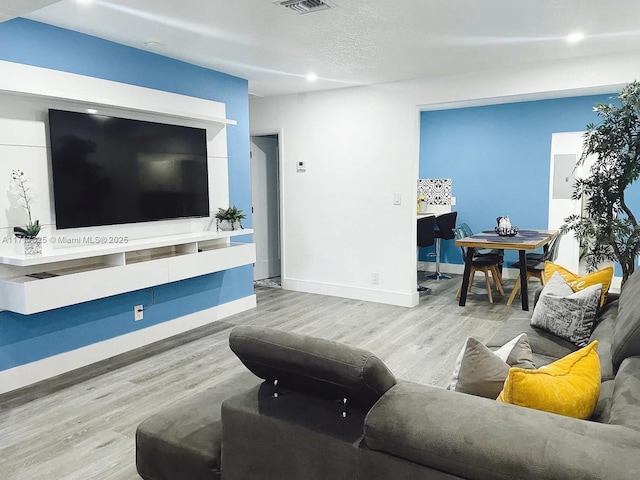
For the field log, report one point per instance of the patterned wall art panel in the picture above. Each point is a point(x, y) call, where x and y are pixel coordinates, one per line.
point(437, 191)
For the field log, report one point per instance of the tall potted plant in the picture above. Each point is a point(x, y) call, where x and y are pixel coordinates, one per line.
point(608, 229)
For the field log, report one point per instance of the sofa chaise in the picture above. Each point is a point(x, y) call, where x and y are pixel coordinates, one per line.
point(315, 409)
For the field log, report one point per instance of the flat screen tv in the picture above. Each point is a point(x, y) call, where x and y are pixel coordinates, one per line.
point(109, 170)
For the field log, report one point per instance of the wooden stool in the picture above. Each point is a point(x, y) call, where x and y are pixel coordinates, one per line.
point(495, 275)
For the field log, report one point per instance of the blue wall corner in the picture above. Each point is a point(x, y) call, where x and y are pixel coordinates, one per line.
point(498, 157)
point(24, 339)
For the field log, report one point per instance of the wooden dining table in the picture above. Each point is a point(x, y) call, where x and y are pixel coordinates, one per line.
point(523, 241)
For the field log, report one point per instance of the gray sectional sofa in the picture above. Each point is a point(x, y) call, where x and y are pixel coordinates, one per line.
point(297, 424)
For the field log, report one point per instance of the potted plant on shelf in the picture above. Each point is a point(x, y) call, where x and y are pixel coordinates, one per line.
point(608, 229)
point(230, 218)
point(19, 187)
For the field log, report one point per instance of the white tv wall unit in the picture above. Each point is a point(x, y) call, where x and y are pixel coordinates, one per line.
point(154, 254)
point(91, 272)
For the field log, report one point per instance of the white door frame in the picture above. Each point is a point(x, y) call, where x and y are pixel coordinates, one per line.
point(281, 199)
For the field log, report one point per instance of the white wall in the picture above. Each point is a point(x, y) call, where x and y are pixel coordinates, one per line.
point(361, 147)
point(339, 222)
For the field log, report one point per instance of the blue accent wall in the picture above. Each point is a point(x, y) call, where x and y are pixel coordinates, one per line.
point(26, 338)
point(498, 157)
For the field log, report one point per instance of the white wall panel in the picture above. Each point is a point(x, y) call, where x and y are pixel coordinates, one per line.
point(33, 162)
point(15, 131)
point(217, 143)
point(24, 141)
point(218, 183)
point(89, 91)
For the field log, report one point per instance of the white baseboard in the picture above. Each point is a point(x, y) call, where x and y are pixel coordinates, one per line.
point(40, 370)
point(356, 293)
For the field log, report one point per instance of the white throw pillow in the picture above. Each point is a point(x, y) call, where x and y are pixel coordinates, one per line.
point(479, 371)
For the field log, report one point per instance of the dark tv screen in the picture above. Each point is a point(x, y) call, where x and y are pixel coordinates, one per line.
point(109, 170)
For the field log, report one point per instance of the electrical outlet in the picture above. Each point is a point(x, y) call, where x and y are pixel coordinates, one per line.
point(138, 312)
point(374, 278)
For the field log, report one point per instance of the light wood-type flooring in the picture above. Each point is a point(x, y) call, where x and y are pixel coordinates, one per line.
point(81, 426)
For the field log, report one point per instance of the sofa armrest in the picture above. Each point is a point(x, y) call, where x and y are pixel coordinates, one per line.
point(480, 439)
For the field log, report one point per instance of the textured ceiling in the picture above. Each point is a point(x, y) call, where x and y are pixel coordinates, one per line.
point(15, 8)
point(360, 41)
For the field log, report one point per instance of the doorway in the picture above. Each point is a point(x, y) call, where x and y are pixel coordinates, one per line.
point(265, 193)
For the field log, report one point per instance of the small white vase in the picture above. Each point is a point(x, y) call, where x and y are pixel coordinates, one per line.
point(32, 246)
point(226, 225)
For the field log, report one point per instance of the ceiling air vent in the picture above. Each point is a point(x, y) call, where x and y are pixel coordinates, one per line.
point(302, 7)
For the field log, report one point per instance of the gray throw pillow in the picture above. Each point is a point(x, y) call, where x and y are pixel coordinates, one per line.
point(569, 315)
point(479, 371)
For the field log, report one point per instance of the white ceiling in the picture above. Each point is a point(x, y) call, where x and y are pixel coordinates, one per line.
point(15, 8)
point(358, 42)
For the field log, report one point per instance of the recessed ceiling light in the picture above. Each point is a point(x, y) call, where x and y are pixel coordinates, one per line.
point(84, 2)
point(575, 37)
point(311, 77)
point(92, 111)
point(153, 45)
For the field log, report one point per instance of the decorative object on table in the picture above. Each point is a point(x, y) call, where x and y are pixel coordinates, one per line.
point(230, 218)
point(436, 191)
point(504, 228)
point(19, 187)
point(608, 230)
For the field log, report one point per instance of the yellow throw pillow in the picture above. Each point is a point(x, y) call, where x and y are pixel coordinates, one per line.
point(576, 282)
point(569, 386)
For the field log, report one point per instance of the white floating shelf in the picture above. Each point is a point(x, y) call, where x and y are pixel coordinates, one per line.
point(80, 274)
point(65, 254)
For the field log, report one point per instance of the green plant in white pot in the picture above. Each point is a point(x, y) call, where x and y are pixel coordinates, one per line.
point(19, 187)
point(230, 218)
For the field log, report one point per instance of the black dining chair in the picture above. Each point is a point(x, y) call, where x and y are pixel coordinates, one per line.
point(446, 224)
point(466, 229)
point(486, 263)
point(426, 237)
point(535, 265)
